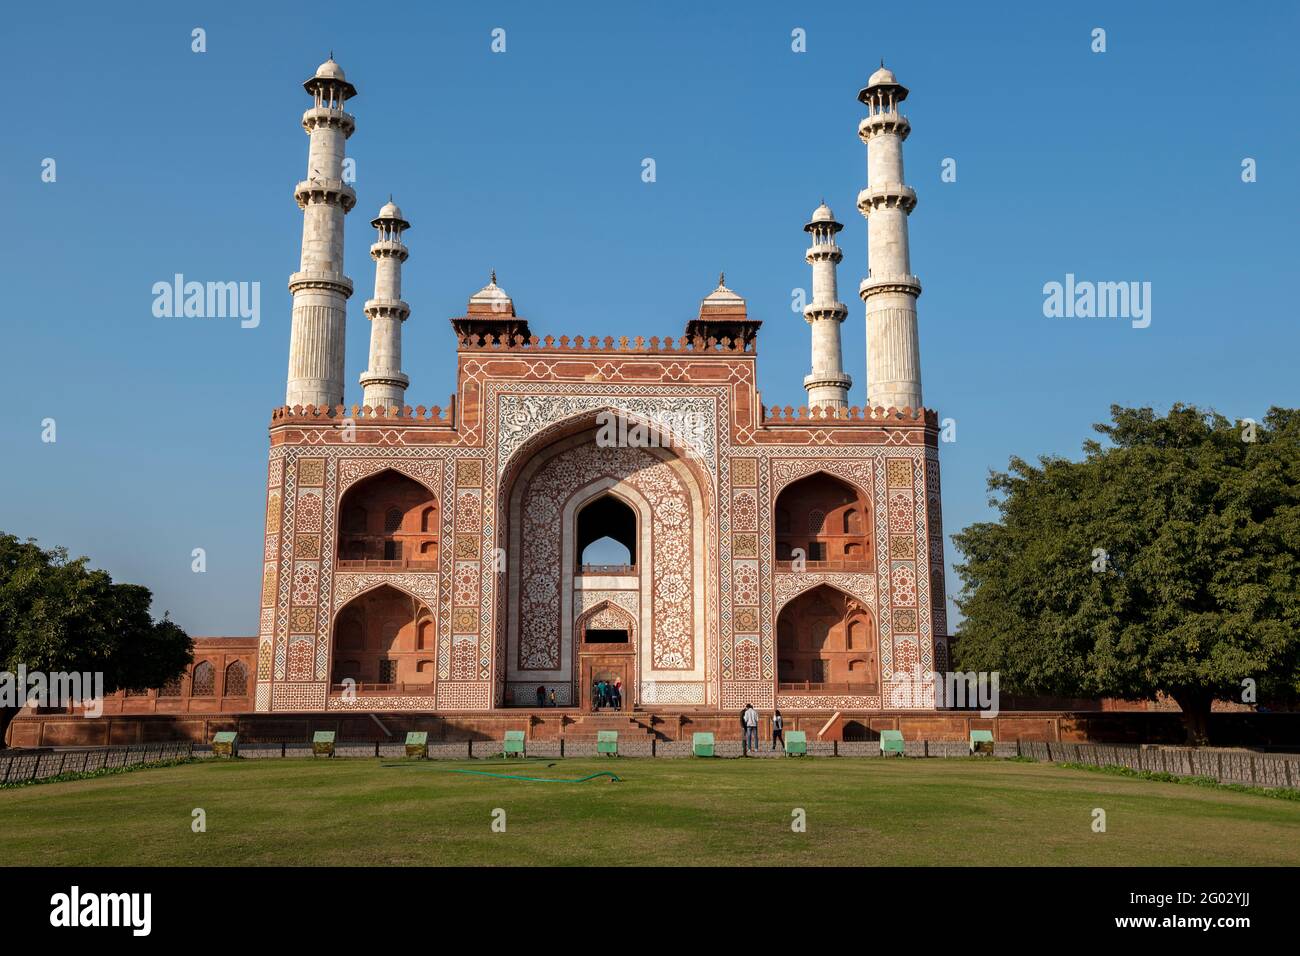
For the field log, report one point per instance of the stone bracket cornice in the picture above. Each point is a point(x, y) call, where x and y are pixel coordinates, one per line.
point(878, 123)
point(887, 195)
point(908, 284)
point(333, 281)
point(333, 192)
point(825, 310)
point(389, 250)
point(400, 379)
point(817, 379)
point(395, 308)
point(326, 118)
point(822, 253)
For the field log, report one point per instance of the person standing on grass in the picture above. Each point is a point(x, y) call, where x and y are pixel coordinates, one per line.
point(751, 728)
point(778, 730)
point(744, 732)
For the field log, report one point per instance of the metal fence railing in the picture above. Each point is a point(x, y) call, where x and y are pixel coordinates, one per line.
point(17, 766)
point(1224, 765)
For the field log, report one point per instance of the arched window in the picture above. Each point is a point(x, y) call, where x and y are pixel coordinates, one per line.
point(393, 520)
point(824, 637)
point(236, 679)
point(387, 516)
point(606, 533)
point(832, 522)
point(172, 688)
point(205, 680)
point(852, 521)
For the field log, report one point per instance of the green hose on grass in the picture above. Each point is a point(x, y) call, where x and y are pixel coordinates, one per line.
point(508, 776)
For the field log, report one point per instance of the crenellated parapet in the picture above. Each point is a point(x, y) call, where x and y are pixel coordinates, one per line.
point(641, 345)
point(435, 415)
point(866, 416)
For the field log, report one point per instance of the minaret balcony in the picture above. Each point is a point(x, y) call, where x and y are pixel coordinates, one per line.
point(875, 285)
point(389, 249)
point(825, 310)
point(395, 308)
point(385, 377)
point(887, 195)
point(323, 117)
point(332, 191)
point(827, 379)
point(878, 123)
point(333, 281)
point(823, 252)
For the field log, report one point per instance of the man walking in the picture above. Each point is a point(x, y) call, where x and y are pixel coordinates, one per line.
point(778, 730)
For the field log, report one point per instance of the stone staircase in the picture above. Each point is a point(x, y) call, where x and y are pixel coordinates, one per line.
point(629, 728)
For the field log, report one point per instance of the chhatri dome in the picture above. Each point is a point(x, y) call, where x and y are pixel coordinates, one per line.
point(329, 70)
point(882, 77)
point(722, 294)
point(491, 294)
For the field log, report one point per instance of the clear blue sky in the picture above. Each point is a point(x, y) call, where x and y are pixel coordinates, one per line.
point(1124, 165)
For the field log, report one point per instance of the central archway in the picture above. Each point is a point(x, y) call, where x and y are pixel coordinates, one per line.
point(653, 504)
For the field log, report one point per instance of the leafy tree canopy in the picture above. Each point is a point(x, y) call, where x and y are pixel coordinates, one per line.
point(58, 615)
point(1167, 560)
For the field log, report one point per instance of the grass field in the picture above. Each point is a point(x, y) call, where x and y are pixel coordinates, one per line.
point(663, 812)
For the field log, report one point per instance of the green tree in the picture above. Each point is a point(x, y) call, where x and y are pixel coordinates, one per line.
point(59, 615)
point(1166, 561)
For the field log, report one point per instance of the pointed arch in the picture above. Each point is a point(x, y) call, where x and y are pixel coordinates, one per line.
point(389, 517)
point(536, 635)
point(822, 518)
point(604, 617)
point(827, 642)
point(376, 637)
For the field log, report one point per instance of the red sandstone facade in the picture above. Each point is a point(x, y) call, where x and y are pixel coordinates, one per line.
point(427, 560)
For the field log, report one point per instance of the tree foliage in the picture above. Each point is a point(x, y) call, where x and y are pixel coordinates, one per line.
point(1167, 560)
point(58, 615)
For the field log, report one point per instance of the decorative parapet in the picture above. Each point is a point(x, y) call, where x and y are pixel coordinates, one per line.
point(652, 346)
point(872, 416)
point(437, 415)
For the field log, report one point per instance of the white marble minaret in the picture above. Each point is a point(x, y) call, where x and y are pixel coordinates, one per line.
point(383, 381)
point(827, 384)
point(320, 289)
point(890, 290)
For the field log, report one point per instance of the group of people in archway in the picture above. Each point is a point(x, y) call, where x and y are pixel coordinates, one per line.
point(607, 693)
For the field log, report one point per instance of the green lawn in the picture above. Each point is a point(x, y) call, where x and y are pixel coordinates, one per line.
point(664, 811)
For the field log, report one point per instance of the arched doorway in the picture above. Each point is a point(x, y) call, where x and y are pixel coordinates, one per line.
point(388, 521)
point(586, 521)
point(826, 643)
point(381, 642)
point(825, 521)
point(606, 653)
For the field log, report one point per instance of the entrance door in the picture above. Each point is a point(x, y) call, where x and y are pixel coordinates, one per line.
point(611, 669)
